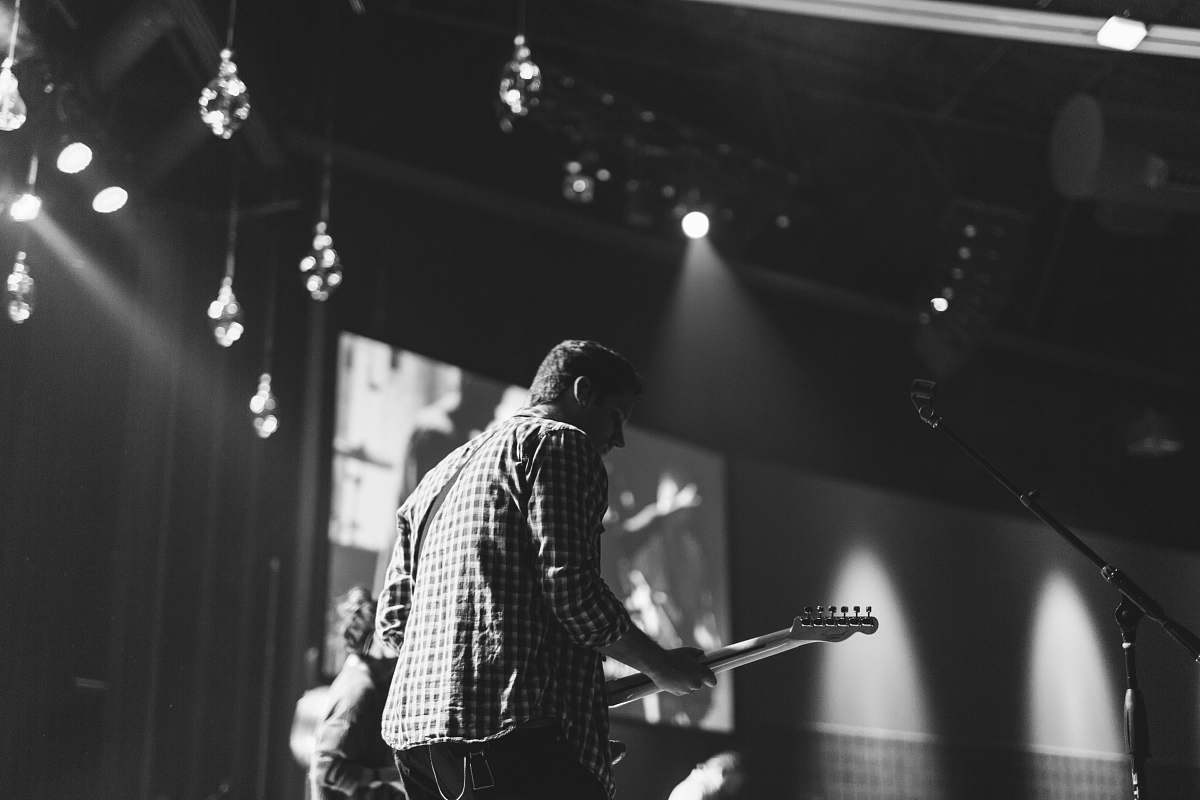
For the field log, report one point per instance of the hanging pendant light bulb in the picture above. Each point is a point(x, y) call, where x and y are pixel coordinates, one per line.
point(225, 315)
point(322, 267)
point(224, 102)
point(28, 205)
point(19, 291)
point(225, 312)
point(262, 405)
point(520, 80)
point(12, 107)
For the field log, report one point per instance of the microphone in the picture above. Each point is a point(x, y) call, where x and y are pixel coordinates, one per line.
point(921, 394)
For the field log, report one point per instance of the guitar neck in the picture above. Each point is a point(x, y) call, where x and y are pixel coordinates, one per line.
point(819, 626)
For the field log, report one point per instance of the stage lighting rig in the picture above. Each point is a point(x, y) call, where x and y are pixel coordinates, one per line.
point(655, 159)
point(980, 253)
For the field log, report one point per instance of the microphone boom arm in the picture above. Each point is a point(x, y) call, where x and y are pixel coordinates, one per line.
point(922, 395)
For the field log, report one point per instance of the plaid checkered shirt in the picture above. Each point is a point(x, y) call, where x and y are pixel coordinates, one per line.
point(504, 618)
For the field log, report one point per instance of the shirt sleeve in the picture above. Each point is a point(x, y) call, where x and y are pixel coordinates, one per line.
point(568, 495)
point(395, 599)
point(335, 773)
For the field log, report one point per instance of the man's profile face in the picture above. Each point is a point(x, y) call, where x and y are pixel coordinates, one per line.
point(603, 418)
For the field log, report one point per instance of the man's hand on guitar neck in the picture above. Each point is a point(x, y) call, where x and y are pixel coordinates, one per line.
point(678, 671)
point(682, 672)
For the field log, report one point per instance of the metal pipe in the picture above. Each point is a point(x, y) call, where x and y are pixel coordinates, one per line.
point(977, 19)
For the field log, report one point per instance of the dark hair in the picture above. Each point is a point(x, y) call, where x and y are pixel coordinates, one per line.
point(609, 371)
point(357, 612)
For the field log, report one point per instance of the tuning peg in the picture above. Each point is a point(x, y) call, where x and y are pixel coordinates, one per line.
point(845, 610)
point(868, 611)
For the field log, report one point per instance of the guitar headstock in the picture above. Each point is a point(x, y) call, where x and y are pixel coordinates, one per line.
point(832, 624)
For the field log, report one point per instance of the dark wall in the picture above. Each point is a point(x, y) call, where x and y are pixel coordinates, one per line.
point(62, 405)
point(140, 514)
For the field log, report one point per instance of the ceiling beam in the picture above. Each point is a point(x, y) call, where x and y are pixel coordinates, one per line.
point(979, 19)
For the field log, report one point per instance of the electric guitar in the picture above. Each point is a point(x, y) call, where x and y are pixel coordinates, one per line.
point(819, 625)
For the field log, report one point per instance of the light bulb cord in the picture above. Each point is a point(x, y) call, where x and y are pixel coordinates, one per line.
point(521, 18)
point(269, 334)
point(327, 156)
point(326, 180)
point(231, 241)
point(272, 288)
point(228, 30)
point(12, 39)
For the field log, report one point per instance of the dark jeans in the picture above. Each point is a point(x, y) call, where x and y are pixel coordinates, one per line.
point(527, 764)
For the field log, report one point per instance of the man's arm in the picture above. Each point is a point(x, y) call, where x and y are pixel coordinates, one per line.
point(567, 494)
point(567, 499)
point(334, 774)
point(678, 671)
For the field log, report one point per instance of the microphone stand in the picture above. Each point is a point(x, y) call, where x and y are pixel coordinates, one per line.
point(1134, 605)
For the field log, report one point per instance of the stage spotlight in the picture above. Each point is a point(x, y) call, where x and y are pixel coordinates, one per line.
point(577, 185)
point(73, 158)
point(1121, 33)
point(110, 199)
point(26, 207)
point(694, 224)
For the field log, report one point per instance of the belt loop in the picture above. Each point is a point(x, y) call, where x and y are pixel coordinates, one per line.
point(481, 770)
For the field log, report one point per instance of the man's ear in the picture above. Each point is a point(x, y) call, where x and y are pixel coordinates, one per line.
point(583, 391)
